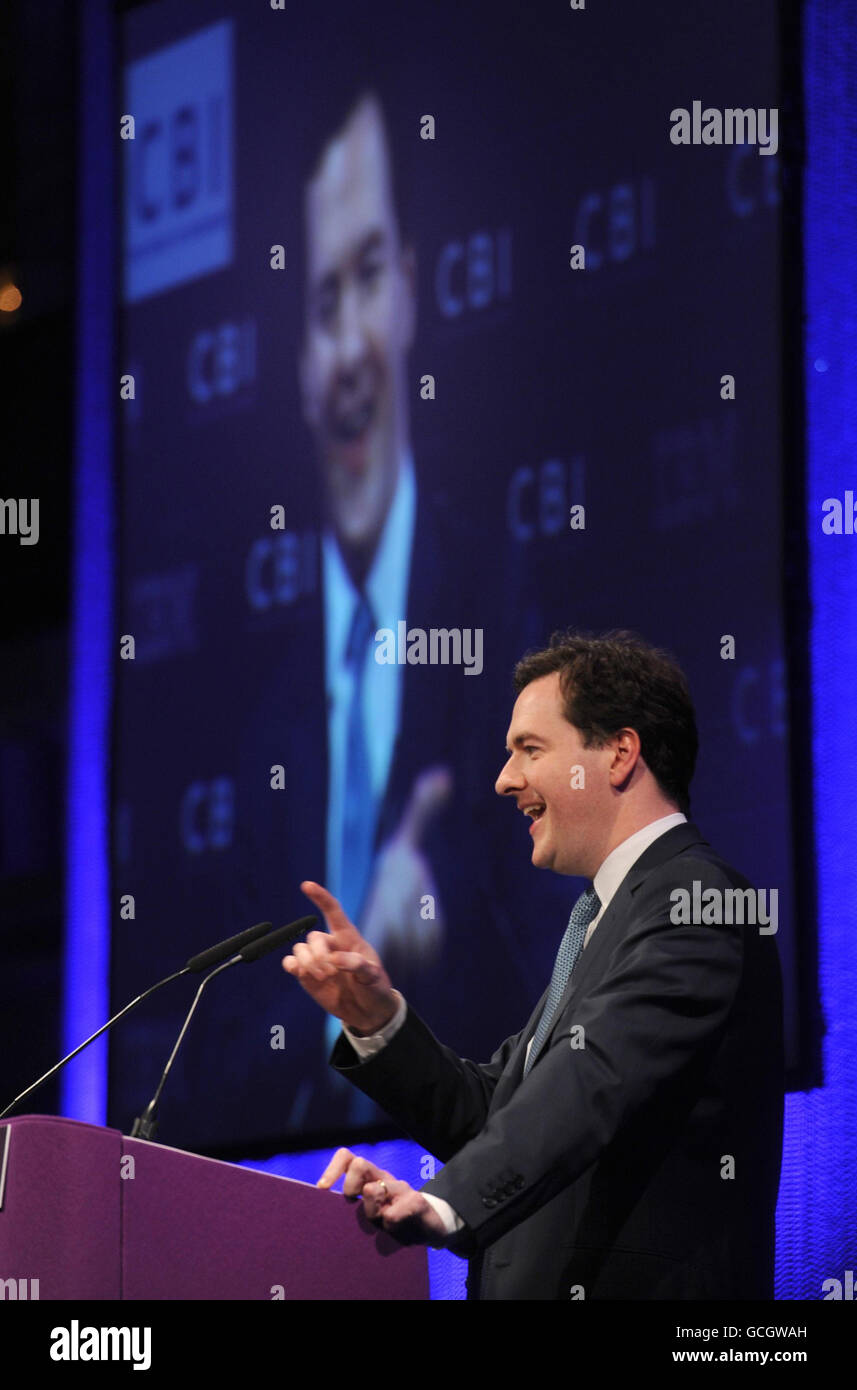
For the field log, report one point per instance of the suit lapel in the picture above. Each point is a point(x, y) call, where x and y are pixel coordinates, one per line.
point(613, 925)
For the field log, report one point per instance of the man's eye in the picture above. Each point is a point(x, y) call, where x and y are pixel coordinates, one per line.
point(530, 748)
point(326, 309)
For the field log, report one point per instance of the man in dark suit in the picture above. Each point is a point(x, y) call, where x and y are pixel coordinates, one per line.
point(626, 1143)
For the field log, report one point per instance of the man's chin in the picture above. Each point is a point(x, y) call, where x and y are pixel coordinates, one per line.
point(358, 526)
point(541, 859)
point(358, 507)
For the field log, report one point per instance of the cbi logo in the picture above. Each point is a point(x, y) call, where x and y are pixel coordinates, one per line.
point(616, 223)
point(221, 361)
point(759, 701)
point(473, 274)
point(280, 569)
point(207, 815)
point(178, 174)
point(163, 611)
point(538, 500)
point(752, 183)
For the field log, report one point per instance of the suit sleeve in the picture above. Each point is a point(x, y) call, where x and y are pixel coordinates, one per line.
point(662, 1004)
point(439, 1098)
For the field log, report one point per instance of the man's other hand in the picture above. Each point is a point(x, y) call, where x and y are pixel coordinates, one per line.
point(403, 1212)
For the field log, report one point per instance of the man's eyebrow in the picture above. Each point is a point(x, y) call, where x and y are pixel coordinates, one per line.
point(520, 739)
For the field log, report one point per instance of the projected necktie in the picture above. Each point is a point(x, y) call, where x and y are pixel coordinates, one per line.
point(358, 826)
point(585, 910)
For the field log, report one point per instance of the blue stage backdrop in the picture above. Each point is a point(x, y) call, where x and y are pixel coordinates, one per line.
point(817, 1211)
point(433, 303)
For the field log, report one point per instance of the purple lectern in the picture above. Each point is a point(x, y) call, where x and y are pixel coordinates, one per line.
point(89, 1213)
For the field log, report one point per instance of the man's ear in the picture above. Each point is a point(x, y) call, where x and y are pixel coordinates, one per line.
point(626, 755)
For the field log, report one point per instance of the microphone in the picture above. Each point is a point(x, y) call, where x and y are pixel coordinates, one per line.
point(145, 1125)
point(215, 954)
point(283, 936)
point(201, 962)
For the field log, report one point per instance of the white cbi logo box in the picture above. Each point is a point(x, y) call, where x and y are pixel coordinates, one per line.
point(179, 165)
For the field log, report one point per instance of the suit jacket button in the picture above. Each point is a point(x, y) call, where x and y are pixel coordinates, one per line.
point(489, 1202)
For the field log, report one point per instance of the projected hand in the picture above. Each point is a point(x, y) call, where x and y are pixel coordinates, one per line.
point(340, 970)
point(402, 1211)
point(393, 917)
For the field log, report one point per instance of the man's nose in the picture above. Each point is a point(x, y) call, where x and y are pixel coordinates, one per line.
point(510, 779)
point(351, 339)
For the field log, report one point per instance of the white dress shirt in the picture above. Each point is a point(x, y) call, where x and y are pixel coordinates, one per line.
point(605, 883)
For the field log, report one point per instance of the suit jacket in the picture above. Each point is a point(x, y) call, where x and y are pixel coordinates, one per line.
point(643, 1164)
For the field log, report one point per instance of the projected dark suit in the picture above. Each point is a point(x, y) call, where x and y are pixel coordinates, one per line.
point(445, 718)
point(643, 1165)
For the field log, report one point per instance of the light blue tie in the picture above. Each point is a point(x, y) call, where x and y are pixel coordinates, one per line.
point(585, 910)
point(358, 828)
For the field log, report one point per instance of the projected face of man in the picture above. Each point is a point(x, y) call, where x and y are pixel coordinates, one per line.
point(358, 328)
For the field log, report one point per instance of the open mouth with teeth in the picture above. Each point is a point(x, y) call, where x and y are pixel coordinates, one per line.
point(536, 811)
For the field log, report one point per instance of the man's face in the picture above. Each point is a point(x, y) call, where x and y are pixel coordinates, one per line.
point(359, 326)
point(571, 824)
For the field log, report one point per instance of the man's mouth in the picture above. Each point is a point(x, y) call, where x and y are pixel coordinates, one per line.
point(535, 811)
point(351, 424)
point(350, 431)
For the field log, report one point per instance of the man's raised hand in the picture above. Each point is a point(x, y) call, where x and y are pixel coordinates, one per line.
point(340, 970)
point(403, 879)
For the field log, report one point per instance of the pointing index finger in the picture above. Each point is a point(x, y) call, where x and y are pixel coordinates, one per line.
point(337, 922)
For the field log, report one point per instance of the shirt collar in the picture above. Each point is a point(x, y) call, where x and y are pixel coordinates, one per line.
point(387, 580)
point(625, 855)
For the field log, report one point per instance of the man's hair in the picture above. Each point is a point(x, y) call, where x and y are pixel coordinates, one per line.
point(617, 681)
point(324, 124)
